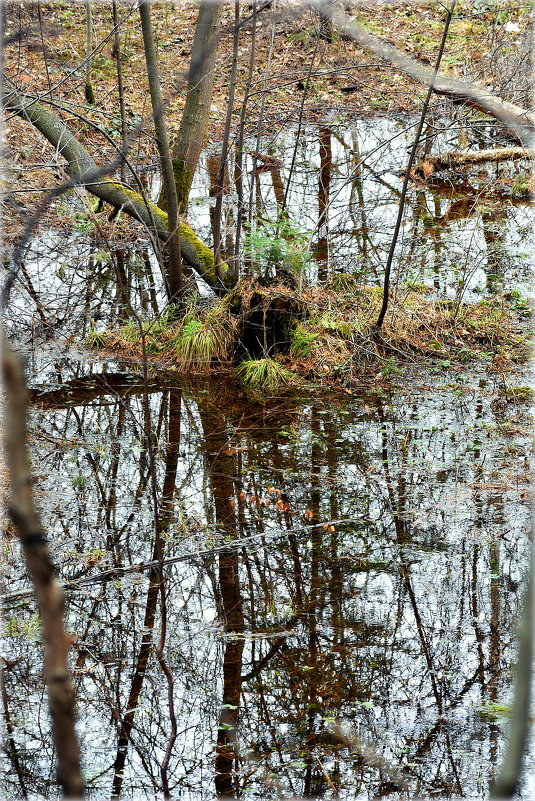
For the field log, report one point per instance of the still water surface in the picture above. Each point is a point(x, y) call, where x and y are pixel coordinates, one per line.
point(342, 572)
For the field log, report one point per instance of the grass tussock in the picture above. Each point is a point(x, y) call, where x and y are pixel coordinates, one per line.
point(264, 374)
point(333, 337)
point(199, 341)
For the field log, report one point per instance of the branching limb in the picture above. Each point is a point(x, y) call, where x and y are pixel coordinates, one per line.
point(194, 251)
point(520, 121)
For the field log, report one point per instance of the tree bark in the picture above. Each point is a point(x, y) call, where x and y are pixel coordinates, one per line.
point(520, 121)
point(188, 146)
point(89, 91)
point(194, 251)
point(174, 288)
point(47, 591)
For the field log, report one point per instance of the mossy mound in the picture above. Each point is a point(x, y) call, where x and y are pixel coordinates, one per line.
point(325, 334)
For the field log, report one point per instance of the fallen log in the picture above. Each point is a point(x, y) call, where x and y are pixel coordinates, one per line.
point(520, 121)
point(449, 161)
point(79, 162)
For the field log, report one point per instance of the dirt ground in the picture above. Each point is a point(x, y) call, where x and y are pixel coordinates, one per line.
point(487, 43)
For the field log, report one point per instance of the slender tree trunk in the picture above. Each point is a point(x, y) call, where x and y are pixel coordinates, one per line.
point(188, 146)
point(48, 593)
point(174, 276)
point(238, 172)
point(224, 146)
point(89, 93)
point(120, 89)
point(397, 228)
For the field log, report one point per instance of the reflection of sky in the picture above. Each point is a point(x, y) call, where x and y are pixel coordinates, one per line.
point(360, 225)
point(72, 274)
point(457, 524)
point(467, 526)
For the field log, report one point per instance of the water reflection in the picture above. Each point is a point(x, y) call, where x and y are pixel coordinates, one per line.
point(341, 576)
point(338, 578)
point(462, 240)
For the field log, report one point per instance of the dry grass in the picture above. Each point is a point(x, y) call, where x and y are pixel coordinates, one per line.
point(335, 339)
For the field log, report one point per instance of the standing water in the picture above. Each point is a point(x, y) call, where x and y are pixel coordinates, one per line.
point(343, 572)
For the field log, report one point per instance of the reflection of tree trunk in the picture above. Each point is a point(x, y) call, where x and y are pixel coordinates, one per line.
point(494, 231)
point(403, 536)
point(123, 288)
point(232, 669)
point(278, 187)
point(171, 460)
point(221, 467)
point(138, 678)
point(173, 444)
point(10, 740)
point(494, 639)
point(312, 676)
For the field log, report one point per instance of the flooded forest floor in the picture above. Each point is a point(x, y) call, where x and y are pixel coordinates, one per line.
point(338, 522)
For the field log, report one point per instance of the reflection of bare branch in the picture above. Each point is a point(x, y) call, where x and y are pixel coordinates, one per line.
point(47, 590)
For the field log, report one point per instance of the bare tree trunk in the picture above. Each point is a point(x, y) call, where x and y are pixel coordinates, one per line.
point(224, 146)
point(120, 89)
point(89, 93)
point(188, 146)
point(47, 590)
point(397, 228)
point(175, 262)
point(518, 120)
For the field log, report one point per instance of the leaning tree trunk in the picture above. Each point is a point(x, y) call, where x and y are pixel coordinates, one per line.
point(520, 121)
point(188, 146)
point(79, 162)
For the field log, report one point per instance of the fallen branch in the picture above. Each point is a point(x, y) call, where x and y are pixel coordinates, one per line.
point(193, 250)
point(448, 161)
point(520, 121)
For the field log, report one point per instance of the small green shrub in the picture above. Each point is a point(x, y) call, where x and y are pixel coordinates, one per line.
point(302, 342)
point(277, 245)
